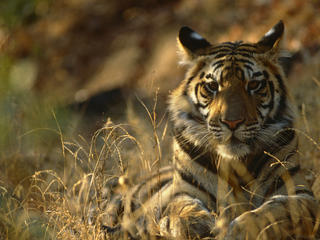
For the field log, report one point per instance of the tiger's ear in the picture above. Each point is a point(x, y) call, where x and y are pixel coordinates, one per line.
point(190, 44)
point(271, 40)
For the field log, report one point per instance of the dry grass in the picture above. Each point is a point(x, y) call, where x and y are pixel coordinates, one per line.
point(69, 203)
point(67, 199)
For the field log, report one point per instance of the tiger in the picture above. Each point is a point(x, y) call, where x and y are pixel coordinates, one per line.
point(235, 172)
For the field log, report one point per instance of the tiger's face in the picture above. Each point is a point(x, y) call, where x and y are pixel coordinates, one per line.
point(232, 101)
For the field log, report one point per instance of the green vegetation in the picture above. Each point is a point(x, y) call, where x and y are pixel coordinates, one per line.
point(20, 12)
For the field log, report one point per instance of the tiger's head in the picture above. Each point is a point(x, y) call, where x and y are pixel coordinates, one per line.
point(233, 100)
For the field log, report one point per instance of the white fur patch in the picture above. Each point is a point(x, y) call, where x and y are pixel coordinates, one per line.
point(196, 36)
point(232, 152)
point(270, 32)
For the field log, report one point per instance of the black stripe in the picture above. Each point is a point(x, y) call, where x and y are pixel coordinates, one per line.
point(260, 114)
point(292, 171)
point(196, 89)
point(159, 185)
point(200, 105)
point(239, 180)
point(217, 67)
point(257, 74)
point(305, 191)
point(274, 168)
point(221, 78)
point(278, 183)
point(243, 61)
point(244, 54)
point(197, 154)
point(206, 161)
point(248, 67)
point(265, 74)
point(220, 47)
point(228, 45)
point(201, 75)
point(263, 84)
point(195, 118)
point(161, 172)
point(134, 205)
point(203, 95)
point(220, 55)
point(268, 105)
point(146, 180)
point(190, 80)
point(284, 137)
point(137, 200)
point(257, 163)
point(221, 50)
point(271, 87)
point(209, 75)
point(282, 103)
point(273, 185)
point(201, 92)
point(185, 93)
point(218, 62)
point(262, 94)
point(192, 181)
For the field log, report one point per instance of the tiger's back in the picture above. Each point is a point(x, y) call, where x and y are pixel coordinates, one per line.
point(235, 172)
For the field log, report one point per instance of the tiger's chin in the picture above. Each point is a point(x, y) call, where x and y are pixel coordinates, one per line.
point(232, 151)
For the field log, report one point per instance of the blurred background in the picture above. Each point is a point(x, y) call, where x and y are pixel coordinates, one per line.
point(67, 66)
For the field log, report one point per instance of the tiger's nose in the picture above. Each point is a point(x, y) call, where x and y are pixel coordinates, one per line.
point(232, 124)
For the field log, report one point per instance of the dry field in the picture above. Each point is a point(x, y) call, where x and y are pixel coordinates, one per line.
point(59, 150)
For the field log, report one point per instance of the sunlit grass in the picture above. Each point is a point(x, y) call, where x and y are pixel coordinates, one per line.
point(67, 199)
point(55, 182)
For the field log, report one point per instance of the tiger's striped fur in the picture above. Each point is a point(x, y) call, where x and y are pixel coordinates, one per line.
point(235, 172)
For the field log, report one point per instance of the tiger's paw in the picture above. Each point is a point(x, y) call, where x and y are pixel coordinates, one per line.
point(181, 228)
point(189, 220)
point(252, 226)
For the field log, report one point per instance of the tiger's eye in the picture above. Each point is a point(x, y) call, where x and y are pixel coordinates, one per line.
point(253, 85)
point(211, 87)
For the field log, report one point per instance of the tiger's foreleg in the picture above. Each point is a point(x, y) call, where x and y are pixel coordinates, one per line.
point(281, 217)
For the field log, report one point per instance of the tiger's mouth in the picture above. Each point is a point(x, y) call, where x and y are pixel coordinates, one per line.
point(234, 148)
point(234, 140)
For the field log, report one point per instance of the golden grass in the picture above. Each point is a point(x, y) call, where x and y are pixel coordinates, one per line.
point(67, 202)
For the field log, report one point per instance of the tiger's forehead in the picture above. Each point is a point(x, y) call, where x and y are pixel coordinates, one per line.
point(230, 61)
point(232, 48)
